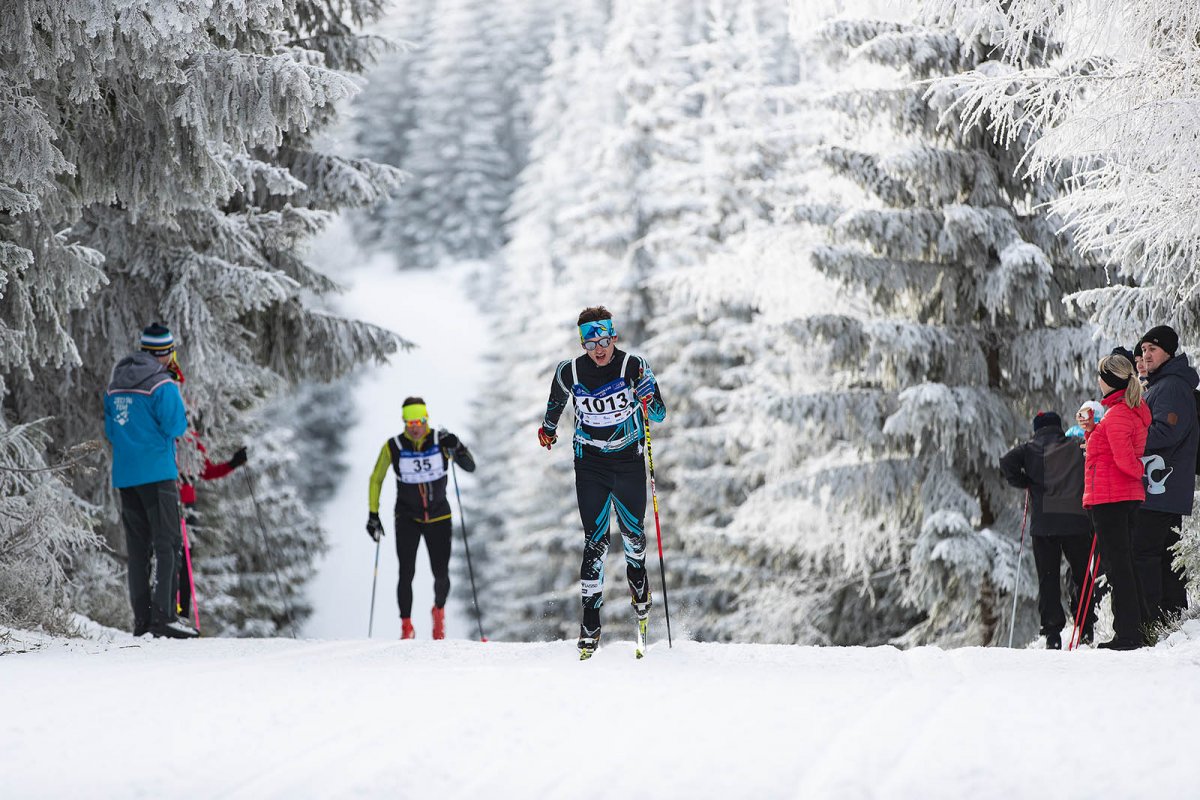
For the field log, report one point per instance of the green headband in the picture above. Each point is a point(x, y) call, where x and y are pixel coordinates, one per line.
point(415, 411)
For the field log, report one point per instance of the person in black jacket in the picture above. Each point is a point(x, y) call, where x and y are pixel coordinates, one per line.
point(1050, 467)
point(1170, 476)
point(420, 457)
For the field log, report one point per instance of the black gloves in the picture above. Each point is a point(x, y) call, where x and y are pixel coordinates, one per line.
point(374, 526)
point(238, 459)
point(448, 440)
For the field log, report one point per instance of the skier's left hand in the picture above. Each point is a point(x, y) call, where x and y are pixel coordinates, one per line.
point(645, 388)
point(447, 439)
point(239, 458)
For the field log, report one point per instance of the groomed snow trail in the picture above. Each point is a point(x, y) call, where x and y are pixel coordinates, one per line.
point(457, 719)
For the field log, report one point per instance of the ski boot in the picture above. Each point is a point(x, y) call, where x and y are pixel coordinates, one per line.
point(588, 642)
point(439, 623)
point(642, 612)
point(406, 628)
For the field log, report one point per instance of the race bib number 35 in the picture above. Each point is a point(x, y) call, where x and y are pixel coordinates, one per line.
point(422, 467)
point(609, 405)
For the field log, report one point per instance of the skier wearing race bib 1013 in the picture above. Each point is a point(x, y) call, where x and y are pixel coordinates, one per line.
point(420, 458)
point(606, 387)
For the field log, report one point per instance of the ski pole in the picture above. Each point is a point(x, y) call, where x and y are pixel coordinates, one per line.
point(662, 570)
point(187, 558)
point(287, 610)
point(1089, 577)
point(1017, 580)
point(373, 581)
point(462, 521)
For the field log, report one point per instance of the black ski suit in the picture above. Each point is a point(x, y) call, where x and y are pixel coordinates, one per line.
point(1050, 467)
point(610, 472)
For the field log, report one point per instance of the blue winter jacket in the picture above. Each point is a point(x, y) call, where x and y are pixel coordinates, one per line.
point(1171, 442)
point(143, 415)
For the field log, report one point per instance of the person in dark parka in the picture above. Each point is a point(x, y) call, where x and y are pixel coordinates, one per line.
point(1050, 467)
point(1170, 476)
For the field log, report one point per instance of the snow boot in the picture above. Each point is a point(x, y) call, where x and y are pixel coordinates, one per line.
point(173, 629)
point(1053, 641)
point(439, 623)
point(588, 642)
point(406, 628)
point(1120, 644)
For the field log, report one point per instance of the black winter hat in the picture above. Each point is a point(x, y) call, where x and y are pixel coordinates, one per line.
point(1128, 354)
point(1164, 336)
point(1044, 419)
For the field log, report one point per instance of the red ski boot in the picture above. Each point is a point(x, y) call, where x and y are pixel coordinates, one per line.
point(439, 623)
point(406, 628)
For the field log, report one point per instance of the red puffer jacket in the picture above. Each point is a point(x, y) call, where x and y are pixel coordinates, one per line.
point(1113, 468)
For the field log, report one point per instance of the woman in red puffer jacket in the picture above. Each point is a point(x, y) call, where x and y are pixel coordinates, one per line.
point(1112, 491)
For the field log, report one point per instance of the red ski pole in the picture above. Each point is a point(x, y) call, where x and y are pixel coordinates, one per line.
point(187, 557)
point(1085, 597)
point(662, 571)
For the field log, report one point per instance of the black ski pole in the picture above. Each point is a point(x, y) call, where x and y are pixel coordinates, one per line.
point(374, 580)
point(287, 610)
point(462, 520)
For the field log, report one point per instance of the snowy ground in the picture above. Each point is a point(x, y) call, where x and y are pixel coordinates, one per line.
point(431, 310)
point(457, 719)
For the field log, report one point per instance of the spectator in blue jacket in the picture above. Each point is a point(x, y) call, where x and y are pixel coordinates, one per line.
point(143, 415)
point(1170, 477)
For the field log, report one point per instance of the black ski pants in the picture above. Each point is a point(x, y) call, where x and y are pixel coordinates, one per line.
point(150, 516)
point(1113, 523)
point(603, 485)
point(437, 542)
point(1164, 589)
point(1048, 553)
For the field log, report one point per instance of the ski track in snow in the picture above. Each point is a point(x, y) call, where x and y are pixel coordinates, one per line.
point(456, 719)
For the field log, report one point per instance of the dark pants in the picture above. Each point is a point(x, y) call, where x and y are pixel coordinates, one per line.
point(601, 486)
point(437, 543)
point(1114, 523)
point(1048, 553)
point(183, 582)
point(1164, 589)
point(150, 516)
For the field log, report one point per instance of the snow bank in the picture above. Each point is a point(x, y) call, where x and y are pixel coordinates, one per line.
point(455, 719)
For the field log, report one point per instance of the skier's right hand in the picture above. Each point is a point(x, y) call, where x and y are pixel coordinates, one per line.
point(546, 440)
point(374, 526)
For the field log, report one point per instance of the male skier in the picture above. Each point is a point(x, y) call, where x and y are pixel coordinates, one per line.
point(606, 387)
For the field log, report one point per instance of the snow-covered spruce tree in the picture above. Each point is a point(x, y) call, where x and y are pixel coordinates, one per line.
point(1121, 110)
point(173, 145)
point(965, 332)
point(652, 198)
point(42, 527)
point(459, 158)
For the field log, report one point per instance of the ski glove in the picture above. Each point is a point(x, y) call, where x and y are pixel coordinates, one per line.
point(448, 440)
point(238, 459)
point(546, 440)
point(645, 388)
point(374, 526)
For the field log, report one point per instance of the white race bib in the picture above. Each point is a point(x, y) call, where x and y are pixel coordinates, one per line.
point(422, 467)
point(605, 407)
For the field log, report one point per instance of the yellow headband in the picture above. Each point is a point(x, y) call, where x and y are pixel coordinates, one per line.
point(414, 412)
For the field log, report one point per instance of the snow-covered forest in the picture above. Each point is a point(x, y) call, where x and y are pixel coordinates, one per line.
point(862, 243)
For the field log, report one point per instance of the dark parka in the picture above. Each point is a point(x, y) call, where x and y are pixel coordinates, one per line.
point(1174, 436)
point(1050, 466)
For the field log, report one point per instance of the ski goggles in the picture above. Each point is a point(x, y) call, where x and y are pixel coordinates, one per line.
point(592, 344)
point(596, 329)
